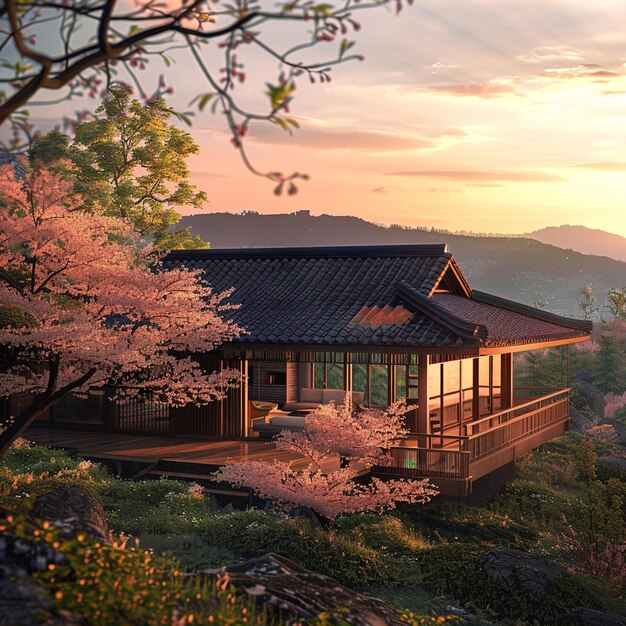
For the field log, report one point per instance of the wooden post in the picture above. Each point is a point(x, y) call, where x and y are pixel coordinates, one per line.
point(243, 397)
point(391, 382)
point(423, 419)
point(508, 391)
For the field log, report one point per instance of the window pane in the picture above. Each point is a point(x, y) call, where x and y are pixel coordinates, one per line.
point(359, 378)
point(335, 376)
point(451, 409)
point(434, 412)
point(400, 381)
point(497, 398)
point(467, 373)
point(434, 380)
point(468, 404)
point(379, 380)
point(451, 376)
point(319, 375)
point(483, 371)
point(497, 370)
point(484, 401)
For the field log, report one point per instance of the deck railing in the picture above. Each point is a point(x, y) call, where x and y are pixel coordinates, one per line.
point(503, 429)
point(448, 456)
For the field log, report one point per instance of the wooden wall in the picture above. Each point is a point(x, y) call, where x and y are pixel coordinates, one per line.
point(222, 418)
point(260, 387)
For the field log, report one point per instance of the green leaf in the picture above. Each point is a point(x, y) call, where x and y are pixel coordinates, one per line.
point(204, 100)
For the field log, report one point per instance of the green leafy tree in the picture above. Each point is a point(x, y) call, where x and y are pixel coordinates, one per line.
point(608, 366)
point(588, 302)
point(130, 162)
point(617, 302)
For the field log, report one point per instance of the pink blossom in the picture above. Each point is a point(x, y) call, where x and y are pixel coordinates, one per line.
point(330, 431)
point(93, 308)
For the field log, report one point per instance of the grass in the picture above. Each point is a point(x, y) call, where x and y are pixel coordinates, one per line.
point(414, 558)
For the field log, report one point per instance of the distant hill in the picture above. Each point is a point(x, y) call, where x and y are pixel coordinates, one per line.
point(583, 239)
point(514, 267)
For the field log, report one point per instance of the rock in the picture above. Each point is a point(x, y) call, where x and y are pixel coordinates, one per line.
point(301, 594)
point(22, 601)
point(71, 509)
point(466, 616)
point(591, 617)
point(229, 508)
point(512, 569)
point(21, 557)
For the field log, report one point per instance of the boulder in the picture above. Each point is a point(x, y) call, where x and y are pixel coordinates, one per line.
point(22, 601)
point(513, 569)
point(300, 594)
point(590, 617)
point(71, 509)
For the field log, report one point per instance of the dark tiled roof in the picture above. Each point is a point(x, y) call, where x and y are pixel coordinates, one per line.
point(359, 296)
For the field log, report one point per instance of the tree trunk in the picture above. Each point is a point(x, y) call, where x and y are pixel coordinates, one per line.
point(20, 423)
point(41, 402)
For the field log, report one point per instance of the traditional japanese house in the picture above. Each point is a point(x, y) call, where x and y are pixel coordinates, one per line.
point(380, 323)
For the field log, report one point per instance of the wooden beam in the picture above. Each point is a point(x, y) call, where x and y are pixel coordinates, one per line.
point(423, 419)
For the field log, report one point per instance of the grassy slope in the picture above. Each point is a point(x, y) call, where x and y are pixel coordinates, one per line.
point(414, 559)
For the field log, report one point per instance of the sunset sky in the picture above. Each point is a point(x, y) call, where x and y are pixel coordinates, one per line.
point(484, 115)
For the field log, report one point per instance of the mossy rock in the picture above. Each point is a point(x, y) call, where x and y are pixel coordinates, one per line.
point(511, 584)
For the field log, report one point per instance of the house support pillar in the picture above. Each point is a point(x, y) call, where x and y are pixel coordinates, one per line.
point(423, 419)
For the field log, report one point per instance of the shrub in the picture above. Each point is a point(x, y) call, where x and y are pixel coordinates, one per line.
point(115, 584)
point(386, 534)
point(166, 507)
point(455, 571)
point(28, 471)
point(254, 533)
point(192, 551)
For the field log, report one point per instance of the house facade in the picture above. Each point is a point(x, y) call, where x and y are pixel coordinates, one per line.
point(380, 323)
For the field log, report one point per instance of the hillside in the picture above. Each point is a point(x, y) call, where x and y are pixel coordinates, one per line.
point(520, 268)
point(583, 239)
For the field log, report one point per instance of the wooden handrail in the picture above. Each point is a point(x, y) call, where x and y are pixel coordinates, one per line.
point(515, 420)
point(517, 407)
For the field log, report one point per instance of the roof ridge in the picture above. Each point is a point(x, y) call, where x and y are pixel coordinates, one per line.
point(379, 250)
point(424, 304)
point(546, 316)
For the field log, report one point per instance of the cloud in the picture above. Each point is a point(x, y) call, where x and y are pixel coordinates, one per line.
point(550, 54)
point(607, 166)
point(488, 90)
point(473, 176)
point(346, 139)
point(199, 174)
point(381, 190)
point(587, 70)
point(440, 65)
point(446, 190)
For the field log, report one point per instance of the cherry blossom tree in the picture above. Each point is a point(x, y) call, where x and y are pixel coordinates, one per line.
point(82, 306)
point(361, 439)
point(613, 402)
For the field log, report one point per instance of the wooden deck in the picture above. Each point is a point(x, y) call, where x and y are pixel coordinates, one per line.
point(151, 449)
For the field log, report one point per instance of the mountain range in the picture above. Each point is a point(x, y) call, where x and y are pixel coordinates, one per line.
point(520, 268)
point(583, 239)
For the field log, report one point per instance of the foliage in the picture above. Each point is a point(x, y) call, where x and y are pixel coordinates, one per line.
point(608, 366)
point(617, 302)
point(118, 584)
point(131, 163)
point(102, 316)
point(588, 304)
point(455, 571)
point(613, 403)
point(331, 431)
point(126, 40)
